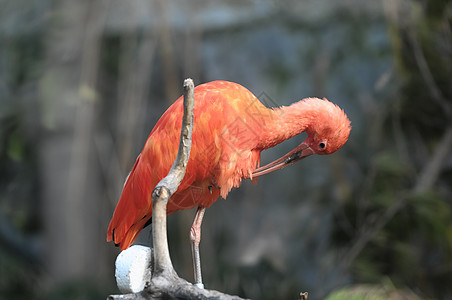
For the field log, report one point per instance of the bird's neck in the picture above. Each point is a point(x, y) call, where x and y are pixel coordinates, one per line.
point(285, 123)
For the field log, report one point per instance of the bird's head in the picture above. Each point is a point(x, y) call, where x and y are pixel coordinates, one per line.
point(328, 128)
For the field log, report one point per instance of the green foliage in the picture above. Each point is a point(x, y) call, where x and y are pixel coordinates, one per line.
point(414, 245)
point(20, 278)
point(425, 39)
point(16, 147)
point(371, 292)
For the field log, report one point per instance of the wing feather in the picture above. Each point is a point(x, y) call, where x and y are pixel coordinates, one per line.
point(221, 155)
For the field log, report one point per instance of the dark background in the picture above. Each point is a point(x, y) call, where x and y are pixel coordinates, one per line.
point(82, 83)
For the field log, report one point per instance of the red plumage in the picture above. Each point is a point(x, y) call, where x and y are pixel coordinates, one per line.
point(231, 128)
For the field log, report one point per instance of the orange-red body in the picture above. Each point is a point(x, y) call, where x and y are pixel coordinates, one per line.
point(231, 128)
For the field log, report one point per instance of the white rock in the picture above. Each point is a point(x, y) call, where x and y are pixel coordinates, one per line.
point(133, 268)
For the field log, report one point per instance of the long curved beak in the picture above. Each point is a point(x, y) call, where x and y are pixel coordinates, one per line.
point(301, 151)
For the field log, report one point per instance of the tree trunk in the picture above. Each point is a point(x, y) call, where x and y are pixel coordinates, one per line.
point(72, 191)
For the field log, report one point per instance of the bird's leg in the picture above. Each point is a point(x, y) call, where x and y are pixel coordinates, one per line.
point(195, 238)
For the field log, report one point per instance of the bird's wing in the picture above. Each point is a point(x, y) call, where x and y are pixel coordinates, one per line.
point(225, 127)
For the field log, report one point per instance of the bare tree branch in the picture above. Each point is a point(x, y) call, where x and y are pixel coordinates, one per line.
point(177, 289)
point(369, 232)
point(433, 167)
point(168, 185)
point(426, 180)
point(428, 76)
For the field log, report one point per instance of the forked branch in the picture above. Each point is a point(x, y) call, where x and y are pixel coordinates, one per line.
point(168, 185)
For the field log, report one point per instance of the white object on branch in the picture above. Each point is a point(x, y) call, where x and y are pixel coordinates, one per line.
point(133, 269)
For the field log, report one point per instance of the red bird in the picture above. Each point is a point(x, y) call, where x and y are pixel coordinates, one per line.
point(231, 128)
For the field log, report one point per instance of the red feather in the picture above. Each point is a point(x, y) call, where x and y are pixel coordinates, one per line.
point(231, 128)
point(210, 168)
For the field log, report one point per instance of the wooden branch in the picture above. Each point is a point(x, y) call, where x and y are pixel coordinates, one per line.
point(165, 283)
point(168, 185)
point(178, 289)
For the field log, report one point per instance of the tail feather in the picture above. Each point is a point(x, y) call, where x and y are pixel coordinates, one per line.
point(131, 235)
point(133, 210)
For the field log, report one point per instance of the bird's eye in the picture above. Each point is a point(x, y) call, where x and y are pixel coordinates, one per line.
point(322, 145)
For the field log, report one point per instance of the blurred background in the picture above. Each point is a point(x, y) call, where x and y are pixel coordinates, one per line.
point(82, 83)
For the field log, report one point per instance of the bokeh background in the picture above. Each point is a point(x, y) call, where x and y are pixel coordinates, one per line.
point(82, 83)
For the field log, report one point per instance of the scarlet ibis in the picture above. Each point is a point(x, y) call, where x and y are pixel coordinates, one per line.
point(231, 128)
